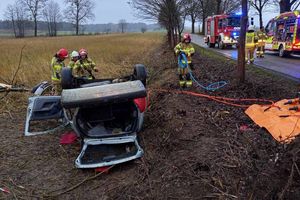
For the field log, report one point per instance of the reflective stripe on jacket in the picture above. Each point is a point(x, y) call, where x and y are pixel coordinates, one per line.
point(71, 64)
point(251, 39)
point(188, 49)
point(56, 67)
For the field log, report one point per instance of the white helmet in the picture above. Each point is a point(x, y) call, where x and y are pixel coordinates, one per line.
point(74, 54)
point(251, 28)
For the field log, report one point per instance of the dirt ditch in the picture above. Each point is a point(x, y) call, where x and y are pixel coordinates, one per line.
point(194, 148)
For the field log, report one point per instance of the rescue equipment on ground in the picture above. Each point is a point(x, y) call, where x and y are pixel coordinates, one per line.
point(182, 63)
point(282, 119)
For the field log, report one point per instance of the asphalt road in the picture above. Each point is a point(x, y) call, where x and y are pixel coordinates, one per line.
point(289, 67)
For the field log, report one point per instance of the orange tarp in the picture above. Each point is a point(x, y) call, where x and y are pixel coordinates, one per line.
point(283, 124)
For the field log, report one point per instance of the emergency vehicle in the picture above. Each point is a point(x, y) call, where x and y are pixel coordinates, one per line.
point(223, 30)
point(283, 34)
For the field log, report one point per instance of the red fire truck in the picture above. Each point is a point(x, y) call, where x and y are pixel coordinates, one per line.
point(283, 34)
point(223, 30)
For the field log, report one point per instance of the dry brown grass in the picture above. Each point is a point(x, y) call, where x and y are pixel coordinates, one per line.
point(113, 54)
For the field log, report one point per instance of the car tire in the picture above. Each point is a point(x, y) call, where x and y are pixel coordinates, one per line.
point(282, 52)
point(220, 44)
point(66, 78)
point(140, 73)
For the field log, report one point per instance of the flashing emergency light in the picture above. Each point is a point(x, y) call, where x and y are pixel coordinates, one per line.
point(234, 33)
point(238, 13)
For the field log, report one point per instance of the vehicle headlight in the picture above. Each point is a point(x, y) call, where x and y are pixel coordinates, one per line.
point(226, 38)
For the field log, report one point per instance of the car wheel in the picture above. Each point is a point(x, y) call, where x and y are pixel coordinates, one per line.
point(140, 73)
point(220, 44)
point(66, 78)
point(282, 52)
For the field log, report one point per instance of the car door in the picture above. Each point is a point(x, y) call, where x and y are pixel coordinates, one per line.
point(44, 115)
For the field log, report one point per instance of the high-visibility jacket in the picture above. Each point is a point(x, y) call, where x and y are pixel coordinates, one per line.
point(56, 66)
point(261, 35)
point(188, 49)
point(84, 68)
point(251, 39)
point(72, 64)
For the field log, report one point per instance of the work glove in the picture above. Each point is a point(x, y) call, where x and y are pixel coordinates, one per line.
point(57, 75)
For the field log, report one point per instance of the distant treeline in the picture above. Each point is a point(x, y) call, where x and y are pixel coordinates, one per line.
point(68, 28)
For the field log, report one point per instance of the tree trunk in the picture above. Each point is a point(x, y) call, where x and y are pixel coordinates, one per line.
point(77, 20)
point(35, 26)
point(193, 23)
point(49, 28)
point(261, 23)
point(241, 50)
point(169, 37)
point(218, 11)
point(14, 27)
point(285, 6)
point(203, 25)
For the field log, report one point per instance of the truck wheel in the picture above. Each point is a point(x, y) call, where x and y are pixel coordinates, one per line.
point(66, 78)
point(208, 43)
point(140, 73)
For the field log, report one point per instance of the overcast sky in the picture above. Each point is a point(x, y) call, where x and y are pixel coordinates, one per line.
point(111, 11)
point(106, 11)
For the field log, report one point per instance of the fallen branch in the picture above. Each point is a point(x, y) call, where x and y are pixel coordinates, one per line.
point(78, 184)
point(19, 65)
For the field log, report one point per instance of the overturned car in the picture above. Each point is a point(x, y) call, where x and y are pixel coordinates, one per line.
point(106, 114)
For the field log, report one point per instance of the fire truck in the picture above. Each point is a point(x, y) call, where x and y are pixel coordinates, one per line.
point(283, 34)
point(222, 30)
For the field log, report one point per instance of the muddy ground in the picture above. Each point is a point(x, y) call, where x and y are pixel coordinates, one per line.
point(194, 147)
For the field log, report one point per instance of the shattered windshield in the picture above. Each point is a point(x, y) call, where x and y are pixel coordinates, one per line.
point(233, 21)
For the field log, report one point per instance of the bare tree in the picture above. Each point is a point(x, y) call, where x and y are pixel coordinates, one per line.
point(10, 15)
point(259, 6)
point(192, 8)
point(34, 7)
point(52, 15)
point(143, 29)
point(107, 28)
point(207, 8)
point(79, 11)
point(242, 38)
point(168, 13)
point(228, 6)
point(123, 25)
point(17, 15)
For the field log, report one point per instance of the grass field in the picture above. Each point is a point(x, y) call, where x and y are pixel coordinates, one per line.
point(114, 54)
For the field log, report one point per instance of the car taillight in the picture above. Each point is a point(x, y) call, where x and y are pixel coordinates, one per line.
point(141, 103)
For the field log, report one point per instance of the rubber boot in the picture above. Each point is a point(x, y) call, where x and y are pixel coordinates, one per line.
point(189, 82)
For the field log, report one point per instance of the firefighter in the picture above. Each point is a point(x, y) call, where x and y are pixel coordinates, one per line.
point(74, 58)
point(84, 66)
point(57, 63)
point(251, 40)
point(260, 51)
point(187, 48)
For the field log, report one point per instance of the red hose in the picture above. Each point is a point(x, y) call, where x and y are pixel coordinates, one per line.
point(224, 100)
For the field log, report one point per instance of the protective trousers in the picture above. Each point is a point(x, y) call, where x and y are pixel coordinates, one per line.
point(260, 51)
point(249, 55)
point(184, 77)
